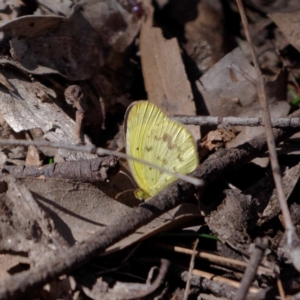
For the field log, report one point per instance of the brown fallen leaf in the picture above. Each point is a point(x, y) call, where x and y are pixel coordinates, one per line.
point(62, 7)
point(241, 212)
point(33, 157)
point(265, 205)
point(229, 221)
point(166, 82)
point(23, 109)
point(218, 138)
point(77, 46)
point(288, 23)
point(227, 90)
point(24, 225)
point(78, 210)
point(206, 38)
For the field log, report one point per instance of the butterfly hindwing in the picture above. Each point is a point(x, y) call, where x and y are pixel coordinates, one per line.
point(172, 147)
point(153, 137)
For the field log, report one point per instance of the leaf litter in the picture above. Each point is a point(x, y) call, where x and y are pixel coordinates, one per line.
point(187, 57)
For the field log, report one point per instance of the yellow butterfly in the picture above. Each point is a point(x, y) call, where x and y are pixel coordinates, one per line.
point(152, 136)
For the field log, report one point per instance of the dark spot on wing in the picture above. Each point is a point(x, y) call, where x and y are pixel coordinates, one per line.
point(168, 139)
point(148, 148)
point(179, 157)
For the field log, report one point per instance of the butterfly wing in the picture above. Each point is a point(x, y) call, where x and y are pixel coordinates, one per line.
point(152, 136)
point(172, 147)
point(140, 118)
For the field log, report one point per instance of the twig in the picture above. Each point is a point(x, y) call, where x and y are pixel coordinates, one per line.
point(213, 258)
point(213, 168)
point(149, 289)
point(218, 285)
point(101, 152)
point(256, 257)
point(292, 239)
point(223, 162)
point(191, 267)
point(90, 170)
point(279, 284)
point(235, 121)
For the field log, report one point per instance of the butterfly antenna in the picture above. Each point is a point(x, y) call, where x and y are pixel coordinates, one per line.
point(129, 177)
point(121, 193)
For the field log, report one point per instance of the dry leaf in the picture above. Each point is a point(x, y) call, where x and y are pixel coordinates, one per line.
point(218, 138)
point(78, 210)
point(205, 35)
point(240, 212)
point(23, 109)
point(166, 82)
point(62, 7)
point(33, 157)
point(265, 205)
point(75, 47)
point(227, 90)
point(229, 221)
point(24, 225)
point(288, 23)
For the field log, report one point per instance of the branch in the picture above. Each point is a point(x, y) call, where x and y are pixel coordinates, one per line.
point(101, 152)
point(235, 121)
point(257, 255)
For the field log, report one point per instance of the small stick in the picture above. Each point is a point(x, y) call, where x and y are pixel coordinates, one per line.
point(260, 247)
point(100, 151)
point(218, 285)
point(90, 170)
point(191, 267)
point(279, 284)
point(235, 121)
point(293, 242)
point(164, 267)
point(224, 261)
